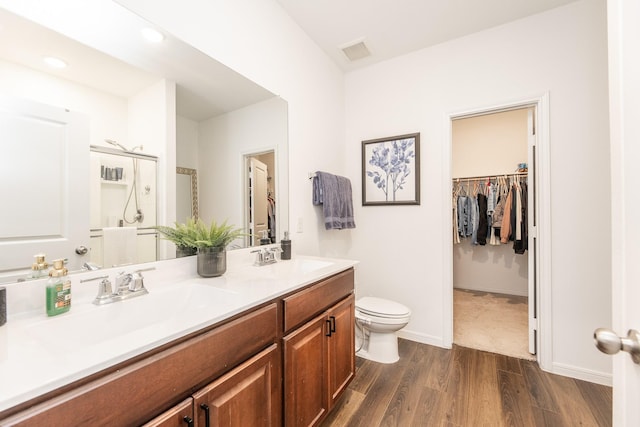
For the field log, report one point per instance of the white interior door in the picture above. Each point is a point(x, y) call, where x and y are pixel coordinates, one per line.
point(44, 170)
point(624, 95)
point(258, 188)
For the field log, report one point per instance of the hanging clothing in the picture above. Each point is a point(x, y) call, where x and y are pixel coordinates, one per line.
point(456, 228)
point(482, 220)
point(494, 213)
point(465, 228)
point(505, 228)
point(271, 218)
point(475, 217)
point(521, 242)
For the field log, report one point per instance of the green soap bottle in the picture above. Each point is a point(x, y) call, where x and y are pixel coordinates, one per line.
point(58, 289)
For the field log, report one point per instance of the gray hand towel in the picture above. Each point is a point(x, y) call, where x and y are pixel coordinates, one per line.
point(334, 194)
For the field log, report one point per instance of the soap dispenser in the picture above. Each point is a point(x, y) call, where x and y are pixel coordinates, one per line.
point(39, 267)
point(265, 240)
point(285, 244)
point(58, 289)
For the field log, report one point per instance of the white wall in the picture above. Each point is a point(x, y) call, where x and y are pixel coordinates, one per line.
point(157, 105)
point(491, 144)
point(562, 51)
point(223, 141)
point(186, 143)
point(107, 112)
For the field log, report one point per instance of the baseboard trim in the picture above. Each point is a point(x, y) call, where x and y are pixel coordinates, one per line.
point(516, 292)
point(589, 375)
point(422, 338)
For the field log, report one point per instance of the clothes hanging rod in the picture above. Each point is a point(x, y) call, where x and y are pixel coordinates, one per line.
point(502, 175)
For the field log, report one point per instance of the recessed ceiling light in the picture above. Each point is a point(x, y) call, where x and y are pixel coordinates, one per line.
point(154, 36)
point(54, 62)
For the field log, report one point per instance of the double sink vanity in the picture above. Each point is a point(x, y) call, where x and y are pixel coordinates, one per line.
point(270, 345)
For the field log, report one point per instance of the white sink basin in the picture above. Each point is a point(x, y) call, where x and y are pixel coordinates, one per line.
point(298, 266)
point(91, 325)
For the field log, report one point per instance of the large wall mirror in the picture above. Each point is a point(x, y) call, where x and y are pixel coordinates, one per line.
point(197, 118)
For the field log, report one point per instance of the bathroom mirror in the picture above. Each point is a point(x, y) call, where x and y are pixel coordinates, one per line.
point(185, 108)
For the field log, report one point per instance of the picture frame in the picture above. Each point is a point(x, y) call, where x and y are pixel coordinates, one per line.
point(391, 170)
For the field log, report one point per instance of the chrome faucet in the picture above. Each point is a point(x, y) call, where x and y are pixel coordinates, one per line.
point(91, 266)
point(128, 285)
point(266, 256)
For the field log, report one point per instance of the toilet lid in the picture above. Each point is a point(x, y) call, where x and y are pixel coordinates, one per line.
point(381, 307)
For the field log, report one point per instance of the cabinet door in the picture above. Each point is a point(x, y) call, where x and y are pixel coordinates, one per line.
point(341, 347)
point(305, 371)
point(180, 415)
point(249, 395)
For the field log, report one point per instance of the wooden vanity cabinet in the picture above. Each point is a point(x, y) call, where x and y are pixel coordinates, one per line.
point(341, 348)
point(180, 415)
point(249, 395)
point(133, 393)
point(319, 356)
point(300, 348)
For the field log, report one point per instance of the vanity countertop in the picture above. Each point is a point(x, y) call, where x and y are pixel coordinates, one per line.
point(39, 354)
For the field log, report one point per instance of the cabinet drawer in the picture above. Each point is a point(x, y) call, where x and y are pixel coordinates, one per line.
point(304, 305)
point(136, 393)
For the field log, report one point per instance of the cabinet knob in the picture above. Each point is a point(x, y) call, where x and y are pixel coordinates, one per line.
point(328, 334)
point(188, 420)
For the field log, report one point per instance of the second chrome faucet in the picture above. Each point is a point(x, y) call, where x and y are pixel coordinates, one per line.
point(128, 285)
point(266, 256)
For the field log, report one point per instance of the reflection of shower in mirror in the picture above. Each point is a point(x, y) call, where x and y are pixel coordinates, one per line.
point(138, 216)
point(123, 187)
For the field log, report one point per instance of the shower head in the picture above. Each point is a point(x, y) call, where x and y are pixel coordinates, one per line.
point(116, 144)
point(122, 147)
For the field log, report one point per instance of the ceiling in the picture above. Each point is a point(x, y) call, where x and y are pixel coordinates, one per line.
point(391, 28)
point(120, 61)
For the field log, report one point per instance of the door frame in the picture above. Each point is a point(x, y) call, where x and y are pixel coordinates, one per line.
point(245, 156)
point(542, 231)
point(624, 84)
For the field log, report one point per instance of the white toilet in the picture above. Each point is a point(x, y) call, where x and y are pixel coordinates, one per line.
point(377, 322)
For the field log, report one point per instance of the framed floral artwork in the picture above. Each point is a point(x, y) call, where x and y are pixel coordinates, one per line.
point(391, 170)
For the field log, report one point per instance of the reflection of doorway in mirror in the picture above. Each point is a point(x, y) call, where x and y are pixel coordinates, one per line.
point(261, 201)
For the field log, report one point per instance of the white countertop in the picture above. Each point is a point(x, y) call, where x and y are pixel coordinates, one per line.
point(39, 354)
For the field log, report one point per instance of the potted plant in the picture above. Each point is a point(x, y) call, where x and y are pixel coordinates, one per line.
point(210, 241)
point(178, 236)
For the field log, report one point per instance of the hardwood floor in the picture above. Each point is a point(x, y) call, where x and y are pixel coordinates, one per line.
point(432, 386)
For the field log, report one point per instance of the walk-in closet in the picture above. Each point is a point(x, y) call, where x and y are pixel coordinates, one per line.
point(491, 220)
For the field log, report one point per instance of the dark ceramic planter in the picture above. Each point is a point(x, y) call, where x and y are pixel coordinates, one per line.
point(212, 262)
point(182, 251)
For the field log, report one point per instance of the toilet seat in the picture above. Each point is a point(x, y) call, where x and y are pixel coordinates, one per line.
point(382, 308)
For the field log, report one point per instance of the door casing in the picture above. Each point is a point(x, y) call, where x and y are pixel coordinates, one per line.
point(540, 104)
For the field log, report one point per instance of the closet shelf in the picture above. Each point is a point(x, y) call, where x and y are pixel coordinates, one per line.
point(503, 175)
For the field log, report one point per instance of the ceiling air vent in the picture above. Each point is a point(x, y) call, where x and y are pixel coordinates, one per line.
point(356, 50)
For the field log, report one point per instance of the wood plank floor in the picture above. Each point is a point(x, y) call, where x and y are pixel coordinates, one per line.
point(432, 386)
